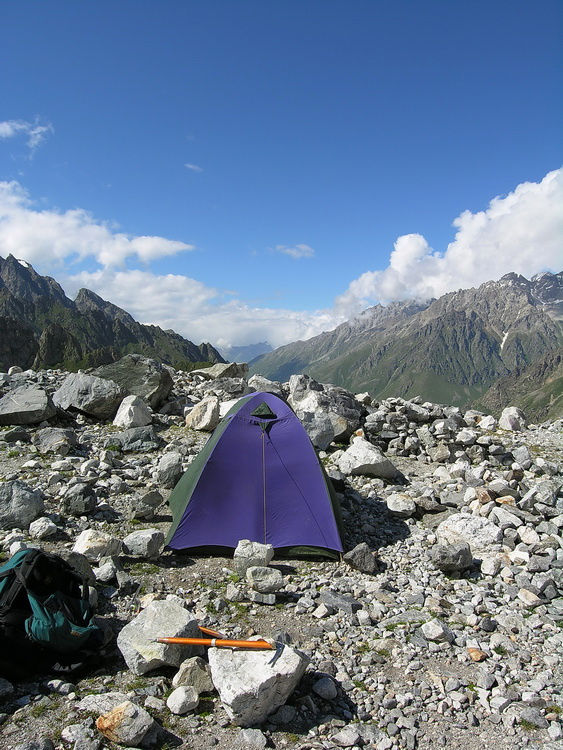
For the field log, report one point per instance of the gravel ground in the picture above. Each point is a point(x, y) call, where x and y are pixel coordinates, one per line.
point(395, 687)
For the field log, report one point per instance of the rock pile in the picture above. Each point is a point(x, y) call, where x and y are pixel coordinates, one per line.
point(440, 626)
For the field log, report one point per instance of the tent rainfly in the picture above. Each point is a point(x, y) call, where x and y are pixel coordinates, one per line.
point(258, 477)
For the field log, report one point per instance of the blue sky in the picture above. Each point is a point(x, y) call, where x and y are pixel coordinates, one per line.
point(242, 171)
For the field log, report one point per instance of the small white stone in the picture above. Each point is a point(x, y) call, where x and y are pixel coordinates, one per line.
point(490, 566)
point(436, 630)
point(182, 700)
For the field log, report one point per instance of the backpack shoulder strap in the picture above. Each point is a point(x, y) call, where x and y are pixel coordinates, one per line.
point(20, 570)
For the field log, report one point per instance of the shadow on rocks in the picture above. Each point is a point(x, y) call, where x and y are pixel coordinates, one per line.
point(318, 699)
point(367, 519)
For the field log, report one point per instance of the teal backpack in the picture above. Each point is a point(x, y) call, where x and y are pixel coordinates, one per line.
point(45, 615)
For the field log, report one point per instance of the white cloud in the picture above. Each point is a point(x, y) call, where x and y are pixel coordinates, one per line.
point(296, 251)
point(33, 131)
point(196, 311)
point(194, 167)
point(49, 236)
point(520, 232)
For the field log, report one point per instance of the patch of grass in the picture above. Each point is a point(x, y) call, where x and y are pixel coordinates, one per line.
point(554, 709)
point(240, 610)
point(500, 650)
point(57, 735)
point(360, 684)
point(363, 648)
point(13, 453)
point(527, 725)
point(39, 709)
point(383, 652)
point(291, 736)
point(233, 578)
point(144, 567)
point(136, 683)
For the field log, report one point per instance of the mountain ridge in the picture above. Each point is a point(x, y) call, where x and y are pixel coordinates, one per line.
point(451, 349)
point(43, 328)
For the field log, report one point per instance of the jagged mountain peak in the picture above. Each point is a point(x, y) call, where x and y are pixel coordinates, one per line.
point(87, 332)
point(514, 278)
point(23, 282)
point(87, 300)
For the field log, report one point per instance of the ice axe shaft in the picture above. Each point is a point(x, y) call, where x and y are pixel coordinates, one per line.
point(219, 642)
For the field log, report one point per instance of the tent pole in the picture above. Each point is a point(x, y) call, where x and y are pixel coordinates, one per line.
point(264, 479)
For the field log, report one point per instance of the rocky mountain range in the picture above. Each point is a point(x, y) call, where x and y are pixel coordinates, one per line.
point(505, 335)
point(40, 327)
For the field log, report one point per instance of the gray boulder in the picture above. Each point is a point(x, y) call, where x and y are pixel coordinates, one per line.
point(127, 724)
point(55, 440)
point(195, 672)
point(250, 686)
point(361, 558)
point(19, 505)
point(320, 428)
point(15, 434)
point(146, 505)
point(137, 643)
point(227, 388)
point(251, 739)
point(79, 499)
point(95, 544)
point(451, 558)
point(264, 580)
point(248, 554)
point(89, 395)
point(437, 631)
point(400, 505)
point(482, 535)
point(308, 396)
point(139, 376)
point(262, 384)
point(205, 415)
point(364, 458)
point(100, 703)
point(336, 600)
point(133, 412)
point(42, 528)
point(26, 405)
point(325, 688)
point(169, 470)
point(182, 700)
point(6, 688)
point(140, 439)
point(144, 543)
point(512, 419)
point(226, 370)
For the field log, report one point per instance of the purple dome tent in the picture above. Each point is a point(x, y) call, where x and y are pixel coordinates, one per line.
point(258, 477)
